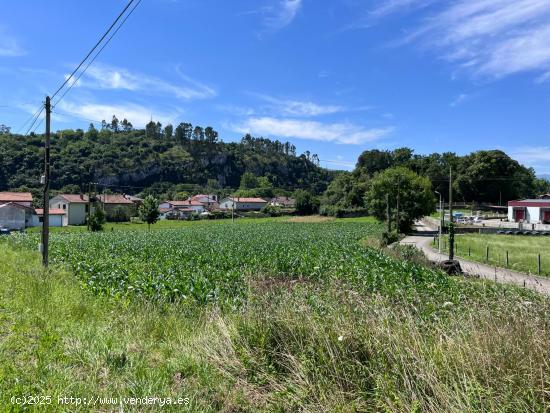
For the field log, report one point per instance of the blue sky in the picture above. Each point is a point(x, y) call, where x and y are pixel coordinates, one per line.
point(335, 77)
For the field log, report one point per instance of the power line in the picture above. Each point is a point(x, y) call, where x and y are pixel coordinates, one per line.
point(39, 112)
point(97, 54)
point(92, 50)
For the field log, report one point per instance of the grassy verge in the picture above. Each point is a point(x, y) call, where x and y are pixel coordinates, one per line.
point(522, 251)
point(297, 345)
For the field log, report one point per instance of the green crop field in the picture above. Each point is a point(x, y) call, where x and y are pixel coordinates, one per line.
point(523, 251)
point(274, 315)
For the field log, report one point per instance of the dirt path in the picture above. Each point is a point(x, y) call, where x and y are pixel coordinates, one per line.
point(476, 269)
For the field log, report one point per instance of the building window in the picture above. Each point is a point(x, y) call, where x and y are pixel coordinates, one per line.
point(64, 206)
point(40, 219)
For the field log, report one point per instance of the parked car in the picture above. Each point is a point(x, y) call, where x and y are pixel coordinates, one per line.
point(477, 220)
point(4, 231)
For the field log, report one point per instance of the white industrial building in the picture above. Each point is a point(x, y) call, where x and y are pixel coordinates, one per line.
point(529, 211)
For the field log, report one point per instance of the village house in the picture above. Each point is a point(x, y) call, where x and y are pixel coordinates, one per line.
point(113, 202)
point(75, 206)
point(529, 211)
point(21, 198)
point(16, 210)
point(283, 201)
point(14, 216)
point(242, 204)
point(57, 217)
point(189, 204)
point(209, 201)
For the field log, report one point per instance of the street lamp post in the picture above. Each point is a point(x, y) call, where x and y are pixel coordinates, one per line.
point(441, 220)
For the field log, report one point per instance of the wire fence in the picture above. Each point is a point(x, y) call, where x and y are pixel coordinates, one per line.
point(533, 262)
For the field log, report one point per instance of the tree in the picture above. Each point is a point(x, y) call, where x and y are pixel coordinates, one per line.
point(97, 220)
point(126, 126)
point(168, 131)
point(149, 210)
point(248, 181)
point(198, 134)
point(306, 203)
point(211, 135)
point(114, 124)
point(92, 132)
point(5, 130)
point(120, 214)
point(406, 191)
point(150, 130)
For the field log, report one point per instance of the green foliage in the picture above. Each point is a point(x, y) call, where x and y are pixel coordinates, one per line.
point(272, 211)
point(344, 195)
point(149, 210)
point(120, 214)
point(97, 220)
point(148, 158)
point(306, 202)
point(413, 191)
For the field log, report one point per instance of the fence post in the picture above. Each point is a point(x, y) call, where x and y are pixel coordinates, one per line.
point(469, 251)
point(540, 266)
point(507, 260)
point(487, 254)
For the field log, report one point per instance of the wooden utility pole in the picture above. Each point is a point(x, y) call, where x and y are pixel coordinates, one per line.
point(388, 212)
point(451, 220)
point(46, 216)
point(397, 211)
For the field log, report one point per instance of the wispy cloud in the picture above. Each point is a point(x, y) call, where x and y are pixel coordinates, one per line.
point(137, 114)
point(388, 7)
point(344, 133)
point(494, 38)
point(292, 107)
point(281, 13)
point(9, 46)
point(536, 157)
point(109, 77)
point(459, 100)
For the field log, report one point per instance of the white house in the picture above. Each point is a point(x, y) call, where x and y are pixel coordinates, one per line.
point(283, 201)
point(75, 206)
point(189, 204)
point(15, 216)
point(530, 211)
point(243, 204)
point(208, 200)
point(58, 217)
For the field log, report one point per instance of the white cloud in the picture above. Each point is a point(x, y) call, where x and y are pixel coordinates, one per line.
point(292, 107)
point(137, 114)
point(396, 6)
point(345, 133)
point(458, 100)
point(281, 14)
point(536, 157)
point(108, 77)
point(9, 46)
point(493, 38)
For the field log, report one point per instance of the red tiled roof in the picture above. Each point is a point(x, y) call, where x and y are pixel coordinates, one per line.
point(187, 202)
point(15, 197)
point(53, 211)
point(114, 199)
point(76, 198)
point(543, 203)
point(249, 200)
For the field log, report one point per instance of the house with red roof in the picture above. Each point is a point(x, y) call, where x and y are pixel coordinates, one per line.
point(188, 204)
point(529, 211)
point(76, 207)
point(242, 204)
point(58, 217)
point(113, 204)
point(21, 198)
